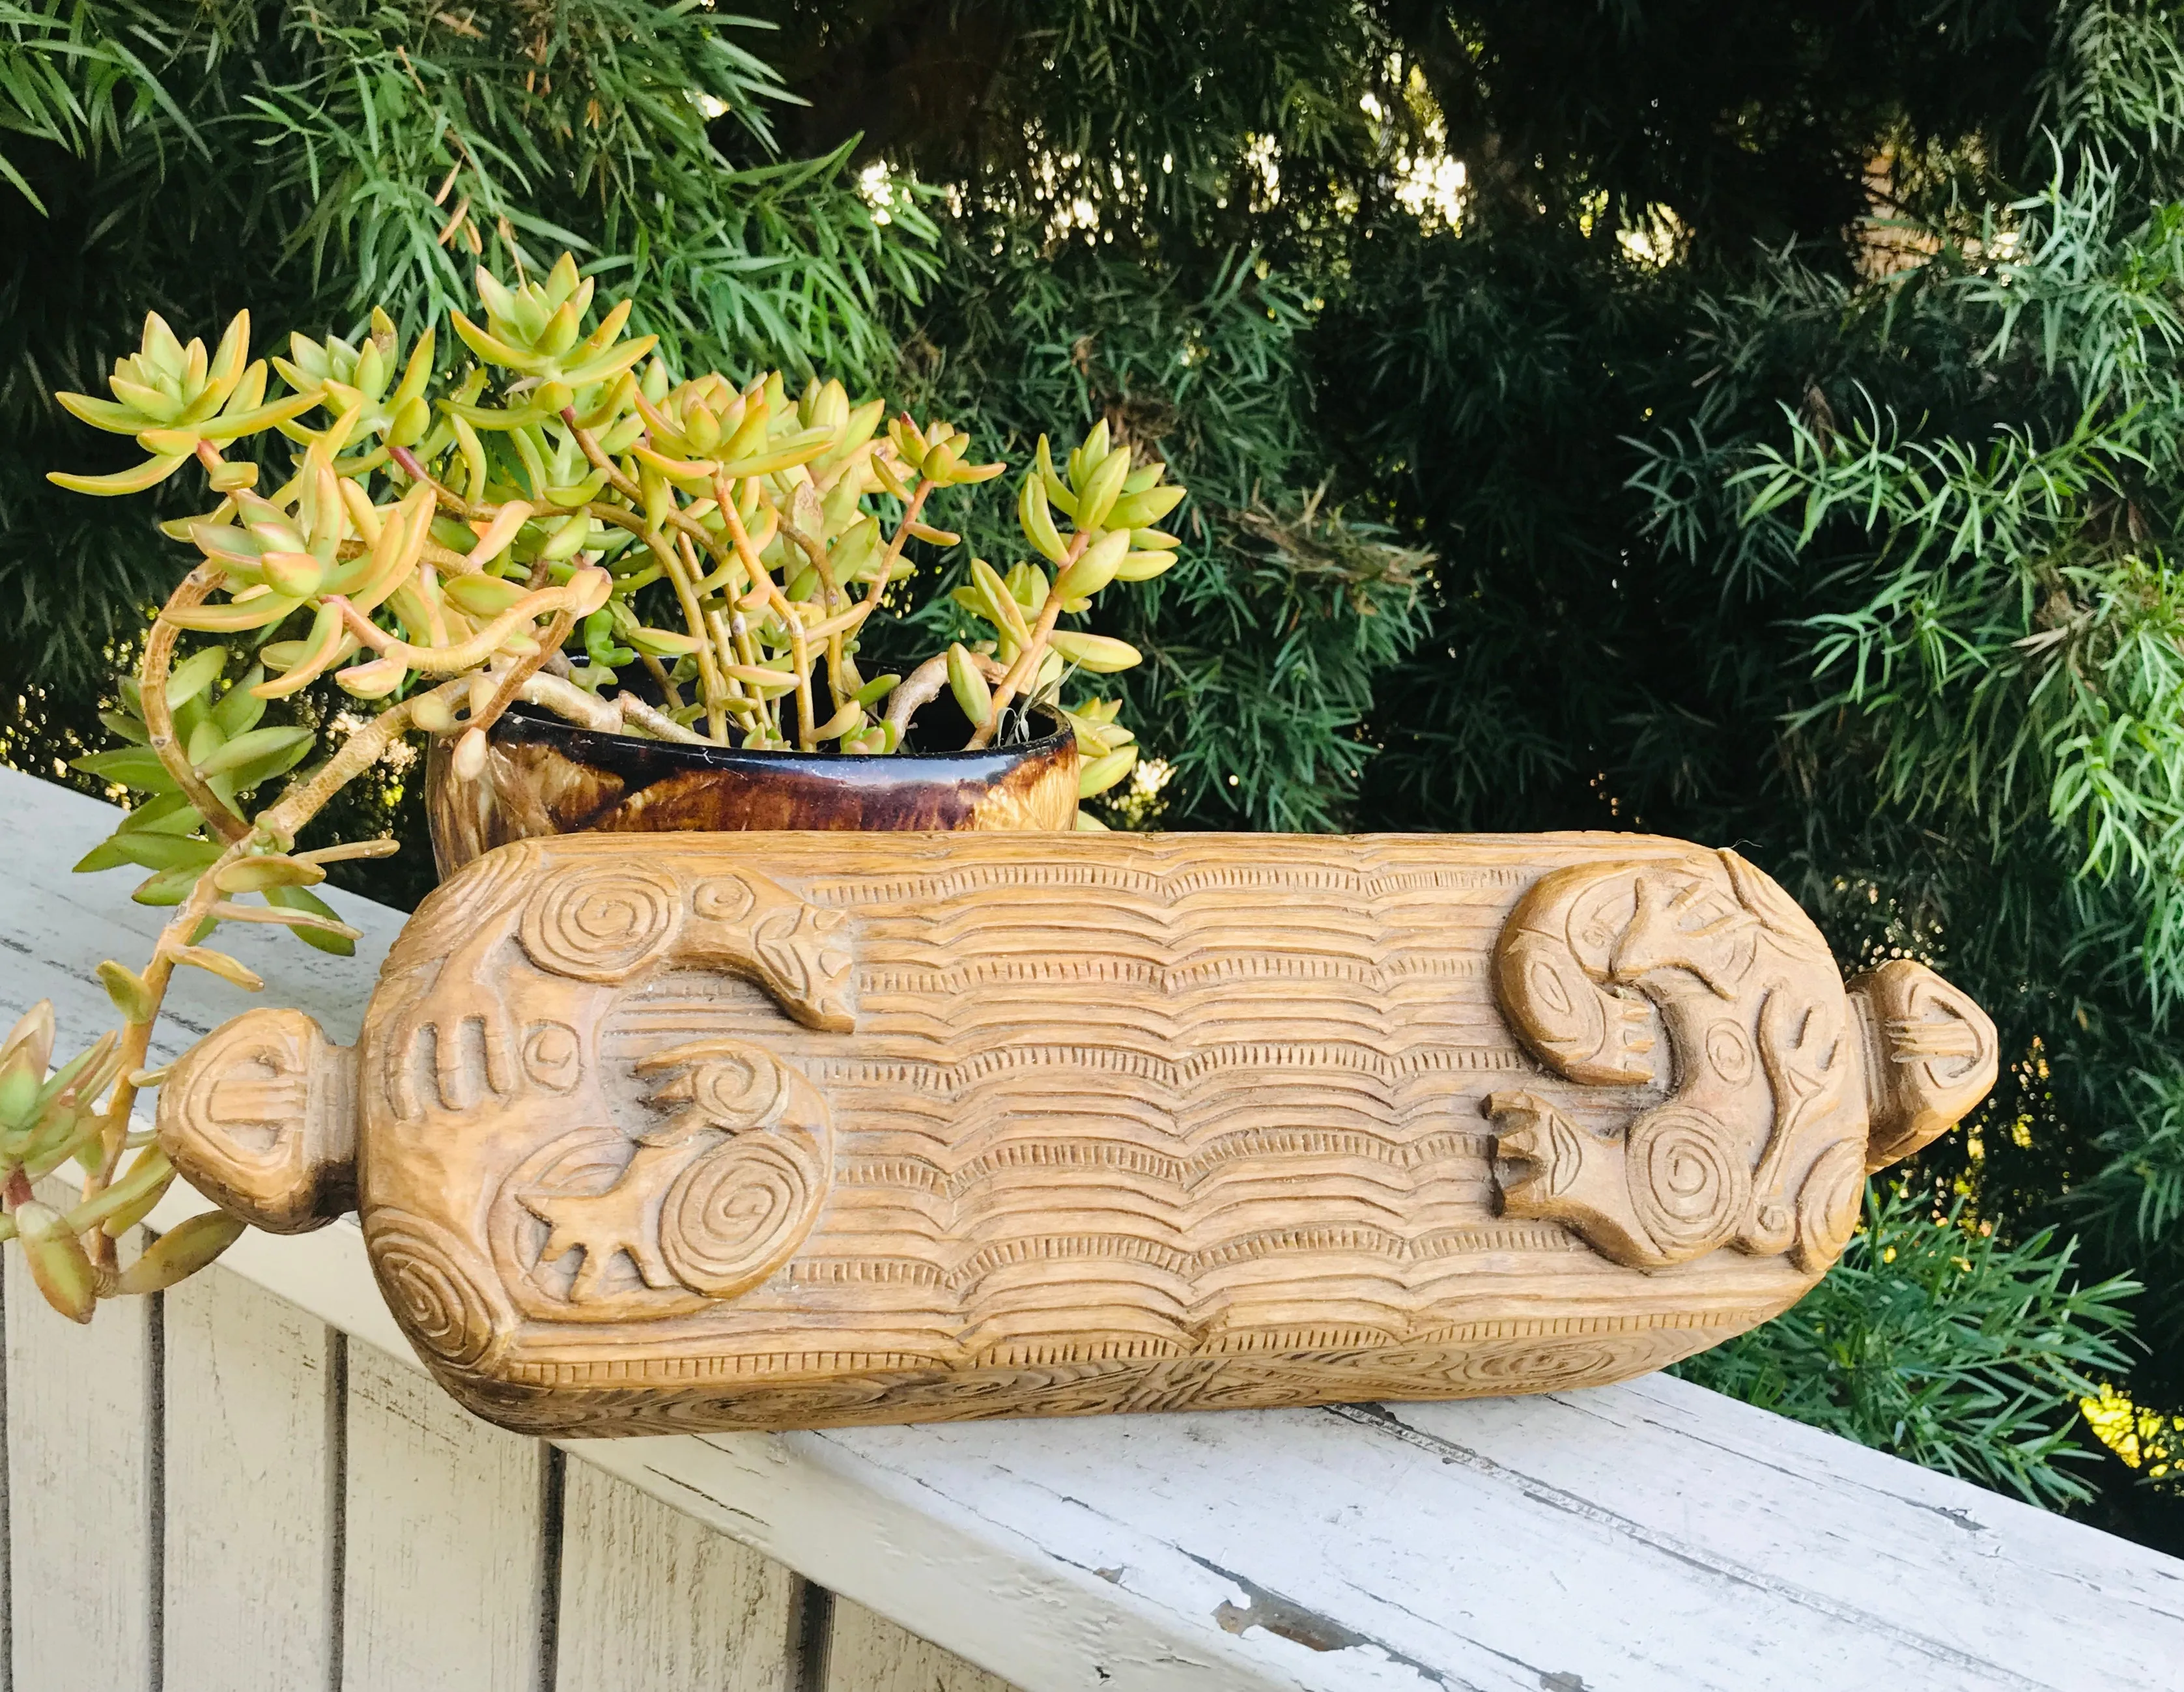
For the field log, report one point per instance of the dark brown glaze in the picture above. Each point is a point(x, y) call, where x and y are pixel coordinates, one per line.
point(543, 777)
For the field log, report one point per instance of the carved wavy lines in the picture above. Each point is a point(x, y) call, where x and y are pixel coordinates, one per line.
point(1166, 934)
point(1057, 1155)
point(1205, 1117)
point(951, 1037)
point(1160, 1293)
point(1385, 1211)
point(897, 1224)
point(1077, 973)
point(1266, 1014)
point(949, 1070)
point(1046, 1028)
point(917, 1034)
point(881, 1224)
point(1368, 880)
point(1004, 984)
point(1163, 933)
point(939, 1167)
point(945, 1127)
point(1183, 1102)
point(1176, 1074)
point(1188, 1266)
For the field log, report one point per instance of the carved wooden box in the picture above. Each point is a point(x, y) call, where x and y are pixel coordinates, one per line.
point(791, 1130)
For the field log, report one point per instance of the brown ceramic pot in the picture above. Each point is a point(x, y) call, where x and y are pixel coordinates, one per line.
point(544, 777)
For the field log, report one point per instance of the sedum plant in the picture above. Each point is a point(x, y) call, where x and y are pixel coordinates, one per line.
point(560, 522)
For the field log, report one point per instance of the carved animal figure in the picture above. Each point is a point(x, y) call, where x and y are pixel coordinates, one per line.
point(792, 1130)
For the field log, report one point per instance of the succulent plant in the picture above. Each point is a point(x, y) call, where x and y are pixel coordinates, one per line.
point(558, 514)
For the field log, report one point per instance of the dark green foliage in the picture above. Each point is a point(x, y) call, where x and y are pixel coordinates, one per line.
point(1868, 577)
point(1959, 530)
point(1261, 643)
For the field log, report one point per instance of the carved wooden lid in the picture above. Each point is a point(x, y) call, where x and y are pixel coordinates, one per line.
point(793, 1130)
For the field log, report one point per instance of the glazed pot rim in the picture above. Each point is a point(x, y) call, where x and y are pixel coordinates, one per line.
point(522, 723)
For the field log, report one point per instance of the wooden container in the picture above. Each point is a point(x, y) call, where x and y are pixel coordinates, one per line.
point(792, 1130)
point(544, 777)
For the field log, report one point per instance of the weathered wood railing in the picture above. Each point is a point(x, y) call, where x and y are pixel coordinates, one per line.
point(217, 1489)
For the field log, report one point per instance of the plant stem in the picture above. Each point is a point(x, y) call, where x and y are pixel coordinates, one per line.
point(277, 825)
point(159, 721)
point(1027, 661)
point(764, 583)
point(481, 646)
point(889, 559)
point(670, 695)
point(710, 683)
point(816, 552)
point(923, 685)
point(557, 632)
point(634, 710)
point(567, 700)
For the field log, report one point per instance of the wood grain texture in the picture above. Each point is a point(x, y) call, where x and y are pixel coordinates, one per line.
point(82, 1474)
point(444, 1561)
point(868, 1653)
point(248, 1571)
point(818, 1129)
point(1649, 1537)
point(652, 1602)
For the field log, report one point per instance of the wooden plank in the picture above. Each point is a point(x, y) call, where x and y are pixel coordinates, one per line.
point(642, 1584)
point(868, 1653)
point(444, 1552)
point(1647, 1538)
point(253, 1440)
point(82, 1480)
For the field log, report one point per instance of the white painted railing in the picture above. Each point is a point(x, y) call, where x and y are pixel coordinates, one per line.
point(217, 1490)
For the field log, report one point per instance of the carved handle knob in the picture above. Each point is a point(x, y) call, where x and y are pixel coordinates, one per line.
point(1931, 1055)
point(260, 1117)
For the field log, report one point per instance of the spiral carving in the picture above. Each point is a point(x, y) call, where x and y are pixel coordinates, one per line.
point(739, 1212)
point(441, 1301)
point(739, 1088)
point(1828, 1204)
point(604, 924)
point(1689, 1184)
